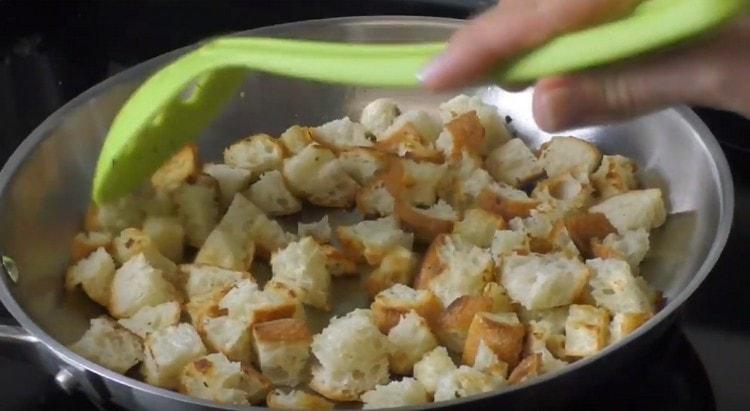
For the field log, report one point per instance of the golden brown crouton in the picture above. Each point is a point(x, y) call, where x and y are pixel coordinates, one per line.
point(85, 243)
point(452, 327)
point(282, 348)
point(614, 176)
point(528, 368)
point(397, 267)
point(501, 332)
point(398, 300)
point(586, 330)
point(586, 227)
point(563, 154)
point(178, 169)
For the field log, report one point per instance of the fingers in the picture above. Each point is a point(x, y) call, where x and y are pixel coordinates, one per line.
point(712, 75)
point(509, 29)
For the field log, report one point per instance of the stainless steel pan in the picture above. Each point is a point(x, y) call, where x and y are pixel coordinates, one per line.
point(44, 190)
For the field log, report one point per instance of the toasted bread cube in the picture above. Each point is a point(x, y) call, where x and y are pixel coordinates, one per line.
point(562, 154)
point(338, 263)
point(530, 367)
point(503, 333)
point(452, 327)
point(396, 394)
point(404, 139)
point(269, 236)
point(410, 339)
point(229, 336)
point(353, 357)
point(202, 307)
point(110, 346)
point(283, 348)
point(85, 243)
point(201, 279)
point(543, 335)
point(231, 180)
point(398, 300)
point(432, 367)
point(303, 166)
point(584, 229)
point(371, 240)
point(271, 195)
point(495, 132)
point(332, 187)
point(487, 362)
point(586, 330)
point(132, 242)
point(319, 230)
point(397, 267)
point(258, 153)
point(507, 242)
point(478, 227)
point(568, 193)
point(362, 164)
point(427, 223)
point(94, 273)
point(341, 134)
point(464, 133)
point(374, 199)
point(539, 281)
point(615, 288)
point(301, 266)
point(138, 284)
point(463, 382)
point(415, 182)
point(177, 169)
point(198, 209)
point(513, 163)
point(214, 377)
point(115, 216)
point(155, 203)
point(168, 351)
point(295, 139)
point(297, 400)
point(425, 125)
point(167, 234)
point(615, 175)
point(150, 319)
point(623, 324)
point(379, 114)
point(246, 302)
point(505, 200)
point(501, 303)
point(230, 245)
point(634, 209)
point(631, 246)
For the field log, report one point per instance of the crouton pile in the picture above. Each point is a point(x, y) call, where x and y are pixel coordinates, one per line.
point(486, 262)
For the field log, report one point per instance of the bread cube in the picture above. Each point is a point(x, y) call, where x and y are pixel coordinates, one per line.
point(177, 169)
point(231, 180)
point(295, 139)
point(566, 192)
point(156, 203)
point(379, 114)
point(319, 230)
point(341, 134)
point(426, 223)
point(371, 240)
point(563, 154)
point(316, 174)
point(201, 279)
point(539, 281)
point(338, 263)
point(544, 334)
point(410, 339)
point(503, 333)
point(272, 196)
point(114, 216)
point(586, 330)
point(453, 324)
point(508, 242)
point(85, 243)
point(615, 288)
point(411, 135)
point(495, 131)
point(478, 227)
point(301, 266)
point(397, 267)
point(94, 273)
point(109, 345)
point(487, 362)
point(530, 367)
point(501, 302)
point(246, 302)
point(402, 393)
point(229, 336)
point(398, 300)
point(463, 133)
point(138, 284)
point(283, 348)
point(586, 228)
point(167, 234)
point(149, 319)
point(623, 324)
point(374, 199)
point(514, 163)
point(132, 242)
point(258, 153)
point(269, 237)
point(465, 188)
point(353, 357)
point(415, 182)
point(304, 165)
point(198, 209)
point(631, 246)
point(362, 164)
point(214, 377)
point(432, 367)
point(463, 382)
point(615, 175)
point(425, 125)
point(504, 200)
point(230, 245)
point(297, 400)
point(634, 209)
point(168, 351)
point(204, 306)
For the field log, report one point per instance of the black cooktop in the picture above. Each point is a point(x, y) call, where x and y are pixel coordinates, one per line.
point(52, 51)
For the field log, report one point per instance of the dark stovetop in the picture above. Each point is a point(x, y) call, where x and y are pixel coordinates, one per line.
point(52, 51)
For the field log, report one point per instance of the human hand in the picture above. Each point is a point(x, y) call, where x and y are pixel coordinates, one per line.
point(713, 72)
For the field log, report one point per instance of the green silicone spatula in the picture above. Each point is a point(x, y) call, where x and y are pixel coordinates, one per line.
point(178, 102)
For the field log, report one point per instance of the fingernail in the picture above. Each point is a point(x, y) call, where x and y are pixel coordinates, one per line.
point(431, 73)
point(552, 109)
